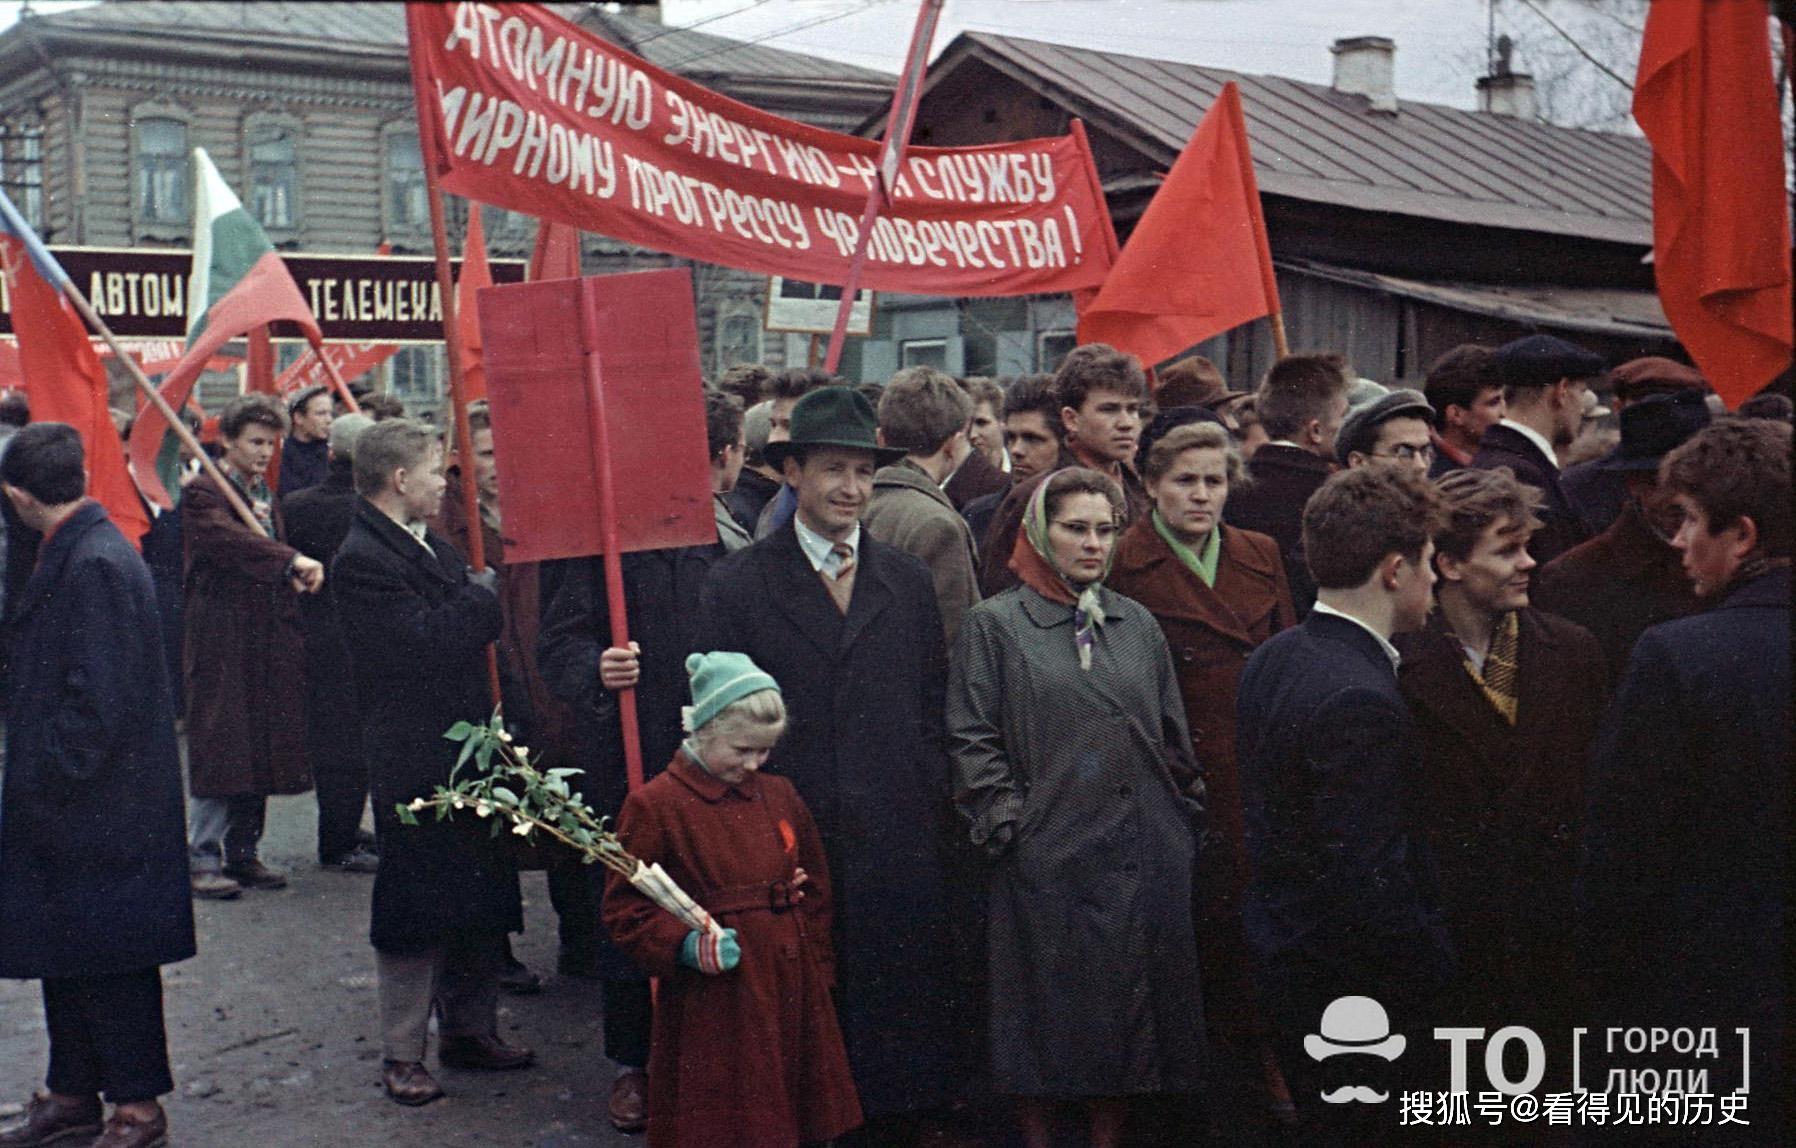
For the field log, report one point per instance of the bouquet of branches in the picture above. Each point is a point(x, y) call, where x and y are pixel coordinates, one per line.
point(504, 786)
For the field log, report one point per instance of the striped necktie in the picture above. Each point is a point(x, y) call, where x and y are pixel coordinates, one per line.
point(841, 587)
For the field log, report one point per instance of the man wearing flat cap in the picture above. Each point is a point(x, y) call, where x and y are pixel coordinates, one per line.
point(1596, 489)
point(1544, 382)
point(305, 455)
point(850, 628)
point(1629, 577)
point(1392, 428)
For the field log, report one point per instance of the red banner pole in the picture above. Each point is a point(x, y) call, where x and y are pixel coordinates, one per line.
point(897, 136)
point(613, 561)
point(439, 235)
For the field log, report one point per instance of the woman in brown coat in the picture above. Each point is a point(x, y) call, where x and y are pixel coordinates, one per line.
point(1217, 592)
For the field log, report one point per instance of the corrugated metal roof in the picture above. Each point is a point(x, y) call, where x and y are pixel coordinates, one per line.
point(1313, 143)
point(379, 26)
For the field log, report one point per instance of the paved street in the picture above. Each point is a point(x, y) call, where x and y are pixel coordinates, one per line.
point(274, 1031)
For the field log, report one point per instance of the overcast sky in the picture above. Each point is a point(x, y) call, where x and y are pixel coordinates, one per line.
point(1440, 43)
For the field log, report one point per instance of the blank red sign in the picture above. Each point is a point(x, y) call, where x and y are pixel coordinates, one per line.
point(540, 390)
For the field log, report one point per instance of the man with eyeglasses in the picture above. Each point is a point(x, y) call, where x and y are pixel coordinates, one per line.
point(1393, 428)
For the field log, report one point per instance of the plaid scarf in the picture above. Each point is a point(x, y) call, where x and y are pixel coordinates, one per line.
point(1498, 681)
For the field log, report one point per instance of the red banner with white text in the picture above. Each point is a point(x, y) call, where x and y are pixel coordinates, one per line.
point(537, 115)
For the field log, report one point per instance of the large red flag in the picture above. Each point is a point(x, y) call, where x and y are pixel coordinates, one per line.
point(475, 274)
point(1706, 99)
point(557, 253)
point(67, 384)
point(1198, 263)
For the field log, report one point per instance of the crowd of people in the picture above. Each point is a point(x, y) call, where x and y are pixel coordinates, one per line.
point(1067, 753)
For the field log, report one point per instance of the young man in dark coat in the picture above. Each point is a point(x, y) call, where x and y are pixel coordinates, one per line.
point(93, 871)
point(318, 519)
point(849, 628)
point(1338, 904)
point(1544, 383)
point(1508, 699)
point(446, 894)
point(1630, 578)
point(306, 453)
point(245, 662)
point(1684, 886)
point(585, 671)
point(1301, 404)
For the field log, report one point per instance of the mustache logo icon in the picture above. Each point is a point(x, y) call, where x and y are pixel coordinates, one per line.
point(1351, 1093)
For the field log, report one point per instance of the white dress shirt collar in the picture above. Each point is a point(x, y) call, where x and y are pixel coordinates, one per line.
point(820, 550)
point(1534, 437)
point(1384, 643)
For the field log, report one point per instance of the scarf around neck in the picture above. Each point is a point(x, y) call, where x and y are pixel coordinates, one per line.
point(1032, 562)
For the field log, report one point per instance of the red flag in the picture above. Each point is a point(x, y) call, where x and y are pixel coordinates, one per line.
point(1197, 263)
point(474, 275)
point(1706, 99)
point(557, 254)
point(67, 384)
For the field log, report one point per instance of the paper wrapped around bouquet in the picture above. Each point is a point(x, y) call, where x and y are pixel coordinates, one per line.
point(658, 887)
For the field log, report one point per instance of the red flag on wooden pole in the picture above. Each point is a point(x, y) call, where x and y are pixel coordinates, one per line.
point(1705, 97)
point(1198, 262)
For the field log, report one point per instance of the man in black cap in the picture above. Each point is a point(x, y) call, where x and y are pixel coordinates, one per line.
point(1544, 382)
point(1392, 428)
point(850, 629)
point(305, 456)
point(1597, 490)
point(1629, 577)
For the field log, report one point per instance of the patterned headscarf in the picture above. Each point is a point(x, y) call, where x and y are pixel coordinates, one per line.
point(1033, 561)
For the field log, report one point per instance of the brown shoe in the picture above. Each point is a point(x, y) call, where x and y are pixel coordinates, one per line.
point(485, 1053)
point(409, 1083)
point(47, 1122)
point(124, 1132)
point(215, 887)
point(629, 1107)
point(255, 875)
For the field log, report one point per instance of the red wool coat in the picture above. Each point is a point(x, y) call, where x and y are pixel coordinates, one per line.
point(752, 1057)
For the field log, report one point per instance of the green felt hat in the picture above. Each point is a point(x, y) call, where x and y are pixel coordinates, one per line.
point(836, 415)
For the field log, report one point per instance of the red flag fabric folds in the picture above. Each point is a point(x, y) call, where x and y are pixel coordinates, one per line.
point(1706, 99)
point(557, 253)
point(67, 384)
point(475, 274)
point(1197, 263)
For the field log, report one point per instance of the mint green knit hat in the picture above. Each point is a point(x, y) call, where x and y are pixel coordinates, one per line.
point(718, 679)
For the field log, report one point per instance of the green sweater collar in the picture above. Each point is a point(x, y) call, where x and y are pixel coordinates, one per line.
point(1201, 564)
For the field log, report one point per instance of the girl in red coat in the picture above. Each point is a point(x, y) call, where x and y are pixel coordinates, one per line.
point(745, 1049)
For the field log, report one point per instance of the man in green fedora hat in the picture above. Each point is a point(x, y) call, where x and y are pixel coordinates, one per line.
point(850, 629)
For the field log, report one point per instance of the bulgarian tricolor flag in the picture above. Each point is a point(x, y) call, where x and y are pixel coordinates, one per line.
point(239, 284)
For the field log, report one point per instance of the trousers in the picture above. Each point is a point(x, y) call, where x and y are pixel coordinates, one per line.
point(460, 979)
point(224, 830)
point(107, 1036)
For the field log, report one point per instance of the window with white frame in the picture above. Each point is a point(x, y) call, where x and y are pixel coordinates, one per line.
point(407, 196)
point(273, 149)
point(161, 168)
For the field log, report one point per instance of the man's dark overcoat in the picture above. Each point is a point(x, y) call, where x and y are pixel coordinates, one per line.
point(93, 843)
point(1211, 631)
point(317, 521)
point(1617, 585)
point(1684, 882)
point(417, 630)
point(1561, 526)
point(974, 478)
point(244, 653)
point(1284, 477)
point(1500, 807)
point(864, 748)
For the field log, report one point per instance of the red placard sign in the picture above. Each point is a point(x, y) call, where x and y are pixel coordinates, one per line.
point(645, 337)
point(536, 114)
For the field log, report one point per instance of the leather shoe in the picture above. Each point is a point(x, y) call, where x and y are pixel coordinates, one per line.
point(361, 859)
point(215, 887)
point(629, 1106)
point(47, 1122)
point(517, 979)
point(124, 1132)
point(255, 875)
point(485, 1053)
point(409, 1083)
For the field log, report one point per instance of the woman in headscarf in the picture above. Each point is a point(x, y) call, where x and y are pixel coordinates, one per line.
point(1073, 767)
point(1217, 592)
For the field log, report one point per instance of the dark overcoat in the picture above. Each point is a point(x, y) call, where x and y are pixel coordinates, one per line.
point(1211, 631)
point(1500, 807)
point(244, 653)
point(93, 843)
point(752, 1057)
point(1617, 585)
point(1284, 477)
point(1561, 526)
point(1684, 881)
point(417, 630)
point(864, 748)
point(317, 521)
point(1091, 942)
point(974, 478)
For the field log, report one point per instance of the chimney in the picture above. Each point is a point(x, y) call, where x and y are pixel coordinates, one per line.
point(1364, 66)
point(1506, 92)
